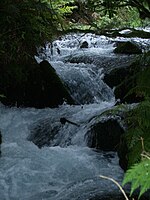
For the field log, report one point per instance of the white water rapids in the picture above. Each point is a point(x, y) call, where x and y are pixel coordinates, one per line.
point(59, 172)
point(67, 169)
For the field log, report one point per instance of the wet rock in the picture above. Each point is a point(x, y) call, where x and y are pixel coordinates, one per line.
point(115, 196)
point(136, 33)
point(108, 132)
point(79, 59)
point(84, 44)
point(122, 153)
point(121, 83)
point(105, 135)
point(127, 48)
point(111, 80)
point(123, 80)
point(118, 196)
point(43, 132)
point(32, 85)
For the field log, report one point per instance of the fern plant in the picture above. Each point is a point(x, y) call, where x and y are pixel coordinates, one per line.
point(139, 175)
point(138, 135)
point(138, 118)
point(139, 127)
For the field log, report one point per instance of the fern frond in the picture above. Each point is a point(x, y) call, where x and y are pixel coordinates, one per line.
point(139, 176)
point(135, 147)
point(140, 115)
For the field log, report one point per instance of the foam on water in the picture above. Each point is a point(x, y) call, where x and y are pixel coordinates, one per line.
point(67, 172)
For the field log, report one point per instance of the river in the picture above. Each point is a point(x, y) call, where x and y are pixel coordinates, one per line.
point(66, 168)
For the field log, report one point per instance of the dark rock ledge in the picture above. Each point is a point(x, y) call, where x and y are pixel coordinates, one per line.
point(32, 85)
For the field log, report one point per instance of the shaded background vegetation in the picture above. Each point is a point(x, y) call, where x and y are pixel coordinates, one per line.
point(26, 24)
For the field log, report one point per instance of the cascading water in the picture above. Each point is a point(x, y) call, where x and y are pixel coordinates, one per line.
point(65, 168)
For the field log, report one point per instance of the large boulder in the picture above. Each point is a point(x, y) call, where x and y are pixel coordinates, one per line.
point(123, 80)
point(128, 47)
point(121, 73)
point(135, 33)
point(122, 83)
point(32, 85)
point(105, 134)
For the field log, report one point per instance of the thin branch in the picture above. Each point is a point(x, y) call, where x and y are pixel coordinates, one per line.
point(142, 141)
point(121, 189)
point(145, 155)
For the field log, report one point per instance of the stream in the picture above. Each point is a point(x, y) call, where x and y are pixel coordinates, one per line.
point(66, 168)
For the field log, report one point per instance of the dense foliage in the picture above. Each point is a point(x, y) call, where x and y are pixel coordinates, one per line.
point(138, 133)
point(110, 13)
point(139, 128)
point(138, 118)
point(22, 21)
point(25, 24)
point(37, 21)
point(111, 6)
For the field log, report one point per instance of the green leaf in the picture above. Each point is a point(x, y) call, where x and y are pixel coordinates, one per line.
point(139, 176)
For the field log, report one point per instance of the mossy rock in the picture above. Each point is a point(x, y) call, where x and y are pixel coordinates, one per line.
point(108, 132)
point(134, 86)
point(127, 48)
point(43, 132)
point(123, 84)
point(32, 85)
point(137, 33)
point(128, 81)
